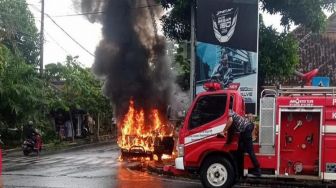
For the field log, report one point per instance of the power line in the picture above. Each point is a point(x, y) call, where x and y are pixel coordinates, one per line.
point(79, 14)
point(80, 45)
point(100, 12)
point(55, 41)
point(74, 40)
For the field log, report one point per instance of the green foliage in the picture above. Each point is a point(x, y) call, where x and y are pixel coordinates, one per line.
point(49, 136)
point(306, 12)
point(279, 54)
point(17, 30)
point(76, 88)
point(176, 24)
point(182, 66)
point(21, 91)
point(24, 95)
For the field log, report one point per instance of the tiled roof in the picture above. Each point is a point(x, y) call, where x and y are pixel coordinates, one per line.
point(331, 25)
point(315, 50)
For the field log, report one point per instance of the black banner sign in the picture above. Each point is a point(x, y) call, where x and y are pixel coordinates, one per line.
point(229, 23)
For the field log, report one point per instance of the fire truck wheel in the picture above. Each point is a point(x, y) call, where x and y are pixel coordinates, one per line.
point(217, 172)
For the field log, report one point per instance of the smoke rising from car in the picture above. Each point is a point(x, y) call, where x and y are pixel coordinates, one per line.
point(131, 58)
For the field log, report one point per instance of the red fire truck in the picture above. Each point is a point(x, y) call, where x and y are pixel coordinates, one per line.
point(296, 139)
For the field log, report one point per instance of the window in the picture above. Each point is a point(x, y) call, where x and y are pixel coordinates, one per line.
point(207, 109)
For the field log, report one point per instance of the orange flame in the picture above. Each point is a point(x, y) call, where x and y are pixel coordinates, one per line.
point(135, 131)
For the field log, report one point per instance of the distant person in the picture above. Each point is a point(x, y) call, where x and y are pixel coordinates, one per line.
point(69, 129)
point(91, 124)
point(60, 127)
point(29, 132)
point(88, 126)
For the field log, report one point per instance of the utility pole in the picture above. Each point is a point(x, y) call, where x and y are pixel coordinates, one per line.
point(192, 53)
point(41, 37)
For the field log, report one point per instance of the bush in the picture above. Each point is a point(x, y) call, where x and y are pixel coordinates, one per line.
point(11, 138)
point(49, 136)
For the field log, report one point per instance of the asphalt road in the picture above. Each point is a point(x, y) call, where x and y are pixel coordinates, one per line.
point(92, 167)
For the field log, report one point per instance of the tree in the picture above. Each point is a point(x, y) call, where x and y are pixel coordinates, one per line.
point(79, 88)
point(17, 30)
point(300, 12)
point(278, 52)
point(176, 25)
point(76, 88)
point(21, 90)
point(182, 67)
point(278, 55)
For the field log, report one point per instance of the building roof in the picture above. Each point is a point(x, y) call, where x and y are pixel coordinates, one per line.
point(317, 49)
point(331, 24)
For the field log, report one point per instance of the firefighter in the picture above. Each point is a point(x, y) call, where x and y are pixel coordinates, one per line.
point(245, 127)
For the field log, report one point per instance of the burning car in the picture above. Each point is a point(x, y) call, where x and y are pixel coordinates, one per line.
point(144, 134)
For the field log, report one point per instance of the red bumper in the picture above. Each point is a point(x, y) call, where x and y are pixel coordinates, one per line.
point(172, 169)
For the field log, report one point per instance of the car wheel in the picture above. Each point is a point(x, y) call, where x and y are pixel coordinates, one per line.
point(217, 172)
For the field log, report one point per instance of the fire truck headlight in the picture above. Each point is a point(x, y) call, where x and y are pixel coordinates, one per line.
point(180, 150)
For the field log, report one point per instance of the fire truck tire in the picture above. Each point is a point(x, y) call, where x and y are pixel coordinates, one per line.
point(217, 172)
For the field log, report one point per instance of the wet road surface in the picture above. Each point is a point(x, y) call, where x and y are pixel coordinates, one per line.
point(93, 167)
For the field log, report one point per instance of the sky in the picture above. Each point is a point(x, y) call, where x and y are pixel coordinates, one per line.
point(58, 45)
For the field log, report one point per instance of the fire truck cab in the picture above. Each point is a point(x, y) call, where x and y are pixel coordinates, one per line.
point(296, 136)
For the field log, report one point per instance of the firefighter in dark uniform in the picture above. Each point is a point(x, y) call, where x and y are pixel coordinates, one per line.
point(245, 127)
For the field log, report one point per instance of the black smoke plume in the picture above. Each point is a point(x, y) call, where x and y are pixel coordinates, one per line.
point(131, 58)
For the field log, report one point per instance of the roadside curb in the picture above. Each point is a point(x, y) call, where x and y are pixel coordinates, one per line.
point(49, 150)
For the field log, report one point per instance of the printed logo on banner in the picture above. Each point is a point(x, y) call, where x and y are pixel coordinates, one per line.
point(224, 24)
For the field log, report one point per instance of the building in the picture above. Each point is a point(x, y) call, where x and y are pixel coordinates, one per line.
point(317, 49)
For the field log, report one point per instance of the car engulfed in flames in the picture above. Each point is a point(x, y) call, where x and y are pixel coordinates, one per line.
point(144, 135)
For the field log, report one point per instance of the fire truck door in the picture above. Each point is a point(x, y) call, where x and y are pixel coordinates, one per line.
point(299, 143)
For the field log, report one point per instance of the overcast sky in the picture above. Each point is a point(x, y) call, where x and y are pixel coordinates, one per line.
point(57, 44)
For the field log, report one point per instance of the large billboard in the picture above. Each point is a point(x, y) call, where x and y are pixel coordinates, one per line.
point(227, 45)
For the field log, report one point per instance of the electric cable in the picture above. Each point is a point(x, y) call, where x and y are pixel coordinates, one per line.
point(61, 28)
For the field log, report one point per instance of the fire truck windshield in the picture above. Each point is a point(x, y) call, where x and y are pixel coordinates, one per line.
point(207, 109)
